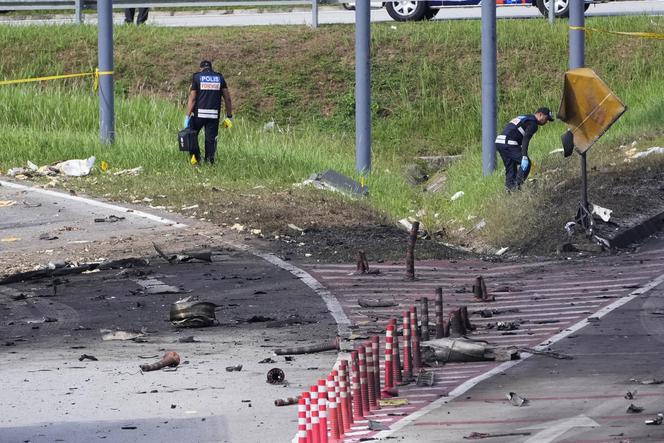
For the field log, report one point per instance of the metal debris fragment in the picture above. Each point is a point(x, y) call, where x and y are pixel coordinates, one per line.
point(656, 421)
point(425, 378)
point(329, 346)
point(287, 401)
point(192, 314)
point(375, 303)
point(516, 400)
point(236, 368)
point(87, 357)
point(632, 408)
point(170, 359)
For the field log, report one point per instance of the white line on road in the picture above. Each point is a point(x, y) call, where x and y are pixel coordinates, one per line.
point(464, 387)
point(96, 203)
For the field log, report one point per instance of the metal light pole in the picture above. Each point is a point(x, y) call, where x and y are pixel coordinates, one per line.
point(362, 88)
point(577, 60)
point(552, 10)
point(488, 86)
point(314, 13)
point(105, 49)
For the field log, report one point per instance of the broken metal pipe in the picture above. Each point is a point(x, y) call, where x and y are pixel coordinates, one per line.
point(329, 346)
point(170, 358)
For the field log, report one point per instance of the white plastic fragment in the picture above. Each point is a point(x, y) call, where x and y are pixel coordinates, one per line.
point(603, 213)
point(457, 196)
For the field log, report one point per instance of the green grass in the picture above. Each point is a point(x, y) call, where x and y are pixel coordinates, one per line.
point(426, 101)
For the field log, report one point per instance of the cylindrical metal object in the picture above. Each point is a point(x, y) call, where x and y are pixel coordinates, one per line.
point(287, 401)
point(375, 350)
point(440, 321)
point(410, 252)
point(407, 361)
point(577, 37)
point(488, 86)
point(302, 421)
point(389, 337)
point(362, 87)
point(424, 329)
point(105, 63)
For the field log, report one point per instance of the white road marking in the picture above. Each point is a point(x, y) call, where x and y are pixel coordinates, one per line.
point(556, 428)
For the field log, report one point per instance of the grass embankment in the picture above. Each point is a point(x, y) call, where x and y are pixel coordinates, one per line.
point(426, 101)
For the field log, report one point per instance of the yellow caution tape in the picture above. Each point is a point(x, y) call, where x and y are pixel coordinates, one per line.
point(393, 402)
point(654, 35)
point(96, 73)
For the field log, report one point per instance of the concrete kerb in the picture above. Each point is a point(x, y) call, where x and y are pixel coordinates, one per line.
point(469, 384)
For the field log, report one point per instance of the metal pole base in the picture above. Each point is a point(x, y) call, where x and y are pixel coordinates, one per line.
point(585, 219)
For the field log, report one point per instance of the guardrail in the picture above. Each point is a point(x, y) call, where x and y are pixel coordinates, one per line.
point(79, 5)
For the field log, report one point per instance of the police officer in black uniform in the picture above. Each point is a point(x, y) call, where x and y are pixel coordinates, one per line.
point(207, 89)
point(512, 144)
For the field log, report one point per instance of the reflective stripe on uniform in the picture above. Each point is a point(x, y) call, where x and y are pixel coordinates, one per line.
point(503, 140)
point(207, 113)
point(522, 131)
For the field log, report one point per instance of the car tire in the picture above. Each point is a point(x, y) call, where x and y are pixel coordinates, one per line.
point(431, 13)
point(562, 7)
point(408, 10)
point(348, 6)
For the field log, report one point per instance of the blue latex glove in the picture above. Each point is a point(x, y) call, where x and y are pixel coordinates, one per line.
point(525, 163)
point(186, 121)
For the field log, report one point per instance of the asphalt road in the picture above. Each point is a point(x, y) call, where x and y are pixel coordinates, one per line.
point(336, 15)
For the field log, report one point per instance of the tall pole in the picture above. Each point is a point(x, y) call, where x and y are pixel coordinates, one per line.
point(314, 13)
point(488, 86)
point(362, 88)
point(577, 42)
point(105, 61)
point(552, 10)
point(576, 36)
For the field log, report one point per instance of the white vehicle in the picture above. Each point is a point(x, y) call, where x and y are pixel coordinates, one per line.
point(413, 10)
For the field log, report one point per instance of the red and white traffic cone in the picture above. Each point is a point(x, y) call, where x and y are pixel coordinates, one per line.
point(375, 350)
point(371, 384)
point(415, 335)
point(302, 421)
point(343, 392)
point(315, 422)
point(396, 360)
point(364, 388)
point(332, 416)
point(407, 367)
point(440, 322)
point(389, 337)
point(358, 410)
point(322, 410)
point(349, 401)
point(337, 392)
point(307, 402)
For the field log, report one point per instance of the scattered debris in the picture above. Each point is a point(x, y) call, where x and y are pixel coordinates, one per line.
point(275, 376)
point(170, 359)
point(333, 181)
point(363, 265)
point(501, 251)
point(656, 421)
point(287, 401)
point(107, 334)
point(546, 353)
point(516, 400)
point(425, 378)
point(132, 171)
point(508, 325)
point(457, 196)
point(329, 346)
point(205, 256)
point(375, 425)
point(392, 402)
point(480, 291)
point(632, 408)
point(237, 368)
point(650, 381)
point(192, 314)
point(259, 319)
point(375, 303)
point(631, 395)
point(465, 350)
point(603, 213)
point(267, 360)
point(7, 203)
point(189, 339)
point(110, 219)
point(41, 320)
point(87, 357)
point(154, 286)
point(649, 151)
point(48, 236)
point(76, 168)
point(481, 435)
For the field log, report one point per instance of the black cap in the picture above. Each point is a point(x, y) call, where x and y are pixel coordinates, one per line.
point(206, 64)
point(546, 111)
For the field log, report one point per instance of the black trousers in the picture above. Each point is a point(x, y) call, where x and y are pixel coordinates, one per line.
point(142, 15)
point(211, 131)
point(514, 175)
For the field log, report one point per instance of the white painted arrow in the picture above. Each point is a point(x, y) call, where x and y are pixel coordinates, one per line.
point(556, 428)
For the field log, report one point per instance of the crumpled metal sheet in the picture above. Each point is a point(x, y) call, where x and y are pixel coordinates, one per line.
point(192, 314)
